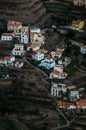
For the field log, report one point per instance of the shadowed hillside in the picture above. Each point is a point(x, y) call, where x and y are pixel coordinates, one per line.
point(27, 11)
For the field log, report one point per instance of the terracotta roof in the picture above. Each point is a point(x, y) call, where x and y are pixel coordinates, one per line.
point(55, 72)
point(65, 104)
point(6, 34)
point(81, 103)
point(8, 57)
point(14, 23)
point(16, 49)
point(64, 73)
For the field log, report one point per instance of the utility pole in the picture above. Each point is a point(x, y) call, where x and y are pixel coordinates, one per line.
point(29, 35)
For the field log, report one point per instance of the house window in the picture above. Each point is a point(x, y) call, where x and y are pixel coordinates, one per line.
point(56, 92)
point(59, 93)
point(17, 53)
point(53, 91)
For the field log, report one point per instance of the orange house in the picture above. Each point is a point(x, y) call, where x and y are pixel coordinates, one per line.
point(68, 105)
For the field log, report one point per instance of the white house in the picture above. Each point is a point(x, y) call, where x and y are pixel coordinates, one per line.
point(58, 73)
point(6, 37)
point(13, 25)
point(25, 38)
point(83, 49)
point(34, 46)
point(37, 30)
point(38, 56)
point(9, 59)
point(18, 50)
point(47, 63)
point(74, 94)
point(58, 89)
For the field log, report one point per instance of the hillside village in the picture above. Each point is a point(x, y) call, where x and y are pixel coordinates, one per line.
point(22, 45)
point(29, 45)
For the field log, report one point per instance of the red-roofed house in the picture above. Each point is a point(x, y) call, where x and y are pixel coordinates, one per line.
point(6, 37)
point(69, 105)
point(9, 59)
point(58, 53)
point(58, 73)
point(13, 25)
point(81, 104)
point(18, 50)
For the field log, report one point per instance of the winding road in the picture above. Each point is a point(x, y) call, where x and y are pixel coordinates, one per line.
point(54, 99)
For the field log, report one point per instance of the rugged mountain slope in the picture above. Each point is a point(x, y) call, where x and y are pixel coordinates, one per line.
point(65, 10)
point(27, 11)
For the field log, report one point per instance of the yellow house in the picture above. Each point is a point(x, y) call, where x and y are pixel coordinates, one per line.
point(78, 24)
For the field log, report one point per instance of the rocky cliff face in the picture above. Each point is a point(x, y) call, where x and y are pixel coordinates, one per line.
point(26, 11)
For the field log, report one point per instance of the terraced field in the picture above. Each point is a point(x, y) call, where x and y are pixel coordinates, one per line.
point(80, 122)
point(25, 102)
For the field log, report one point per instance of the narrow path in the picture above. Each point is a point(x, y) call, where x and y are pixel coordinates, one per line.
point(55, 100)
point(35, 67)
point(81, 69)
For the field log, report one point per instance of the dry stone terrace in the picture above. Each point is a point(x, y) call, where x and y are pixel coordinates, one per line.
point(28, 8)
point(25, 100)
point(26, 89)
